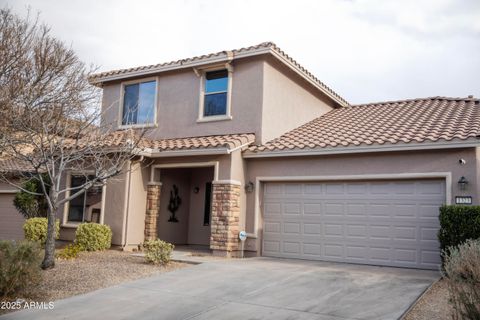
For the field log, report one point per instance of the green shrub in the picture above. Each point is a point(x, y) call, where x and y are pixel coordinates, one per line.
point(35, 229)
point(19, 266)
point(71, 251)
point(30, 205)
point(458, 224)
point(157, 251)
point(462, 273)
point(93, 236)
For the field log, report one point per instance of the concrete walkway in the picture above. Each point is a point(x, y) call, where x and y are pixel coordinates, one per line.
point(256, 288)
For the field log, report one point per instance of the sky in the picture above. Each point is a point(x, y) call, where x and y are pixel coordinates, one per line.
point(365, 50)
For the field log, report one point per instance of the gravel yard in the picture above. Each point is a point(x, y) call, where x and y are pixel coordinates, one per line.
point(433, 304)
point(92, 271)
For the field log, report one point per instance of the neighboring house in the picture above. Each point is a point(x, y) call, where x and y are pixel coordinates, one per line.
point(11, 220)
point(250, 140)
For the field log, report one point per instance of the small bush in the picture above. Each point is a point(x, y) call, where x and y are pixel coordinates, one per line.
point(35, 229)
point(462, 273)
point(19, 266)
point(158, 251)
point(71, 251)
point(93, 236)
point(30, 205)
point(458, 224)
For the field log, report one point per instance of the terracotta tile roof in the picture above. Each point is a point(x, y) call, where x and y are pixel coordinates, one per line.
point(262, 48)
point(229, 141)
point(121, 137)
point(385, 123)
point(11, 165)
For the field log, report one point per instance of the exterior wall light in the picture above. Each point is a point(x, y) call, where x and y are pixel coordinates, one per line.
point(462, 183)
point(249, 187)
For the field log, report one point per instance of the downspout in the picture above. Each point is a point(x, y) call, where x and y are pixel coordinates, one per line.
point(127, 204)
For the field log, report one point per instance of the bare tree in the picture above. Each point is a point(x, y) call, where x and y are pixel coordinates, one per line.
point(51, 120)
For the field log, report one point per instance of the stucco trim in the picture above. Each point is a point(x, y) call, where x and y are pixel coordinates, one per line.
point(308, 78)
point(151, 153)
point(126, 204)
point(9, 191)
point(235, 182)
point(214, 164)
point(389, 176)
point(155, 104)
point(364, 149)
point(226, 58)
point(66, 206)
point(201, 102)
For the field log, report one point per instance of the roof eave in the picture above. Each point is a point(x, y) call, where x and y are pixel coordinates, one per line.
point(155, 153)
point(176, 66)
point(468, 143)
point(223, 59)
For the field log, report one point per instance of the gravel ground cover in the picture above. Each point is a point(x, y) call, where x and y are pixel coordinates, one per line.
point(92, 271)
point(433, 304)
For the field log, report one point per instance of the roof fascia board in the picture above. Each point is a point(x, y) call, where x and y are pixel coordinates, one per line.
point(180, 65)
point(152, 153)
point(220, 59)
point(353, 150)
point(308, 78)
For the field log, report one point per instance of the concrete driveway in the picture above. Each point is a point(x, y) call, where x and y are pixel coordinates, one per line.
point(257, 288)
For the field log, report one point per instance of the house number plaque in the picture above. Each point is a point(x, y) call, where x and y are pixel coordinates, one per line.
point(463, 200)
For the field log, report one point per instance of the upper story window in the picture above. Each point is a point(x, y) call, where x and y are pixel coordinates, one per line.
point(216, 89)
point(215, 95)
point(139, 103)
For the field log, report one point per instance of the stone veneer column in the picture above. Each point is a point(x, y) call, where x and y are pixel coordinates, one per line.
point(225, 218)
point(153, 209)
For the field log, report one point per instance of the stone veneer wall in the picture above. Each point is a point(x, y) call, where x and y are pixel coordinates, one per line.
point(153, 210)
point(225, 218)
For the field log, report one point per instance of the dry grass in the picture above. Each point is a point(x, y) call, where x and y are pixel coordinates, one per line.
point(434, 304)
point(92, 271)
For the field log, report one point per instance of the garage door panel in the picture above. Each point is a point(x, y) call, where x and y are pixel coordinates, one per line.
point(428, 234)
point(392, 223)
point(312, 249)
point(312, 228)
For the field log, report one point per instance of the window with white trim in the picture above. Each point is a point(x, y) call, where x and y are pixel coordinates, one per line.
point(87, 206)
point(139, 103)
point(215, 99)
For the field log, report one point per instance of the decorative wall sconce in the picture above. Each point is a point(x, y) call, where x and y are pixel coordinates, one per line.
point(196, 190)
point(249, 187)
point(462, 183)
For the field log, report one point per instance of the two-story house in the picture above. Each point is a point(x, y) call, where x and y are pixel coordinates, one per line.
point(250, 140)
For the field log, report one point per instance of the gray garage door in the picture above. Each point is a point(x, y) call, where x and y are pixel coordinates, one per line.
point(391, 223)
point(11, 221)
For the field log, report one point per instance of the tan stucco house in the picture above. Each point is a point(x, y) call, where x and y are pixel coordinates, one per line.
point(250, 140)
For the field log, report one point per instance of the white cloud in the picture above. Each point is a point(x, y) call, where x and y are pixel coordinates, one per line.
point(366, 50)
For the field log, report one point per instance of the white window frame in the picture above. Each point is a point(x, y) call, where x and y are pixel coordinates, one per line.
point(66, 206)
point(202, 75)
point(122, 98)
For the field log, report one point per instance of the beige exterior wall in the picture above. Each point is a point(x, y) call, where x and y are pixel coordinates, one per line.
point(238, 173)
point(267, 99)
point(115, 201)
point(178, 103)
point(132, 233)
point(135, 216)
point(11, 221)
point(365, 164)
point(288, 101)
